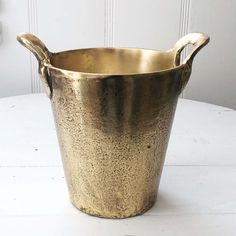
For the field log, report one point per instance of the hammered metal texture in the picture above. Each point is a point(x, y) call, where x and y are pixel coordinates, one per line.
point(113, 110)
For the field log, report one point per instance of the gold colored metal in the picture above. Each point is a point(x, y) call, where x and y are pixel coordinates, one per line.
point(113, 109)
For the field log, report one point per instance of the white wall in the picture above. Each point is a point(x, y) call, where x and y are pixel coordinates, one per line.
point(157, 24)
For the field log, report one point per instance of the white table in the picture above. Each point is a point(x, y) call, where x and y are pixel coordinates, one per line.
point(197, 195)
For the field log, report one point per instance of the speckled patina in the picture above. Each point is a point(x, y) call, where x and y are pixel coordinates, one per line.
point(113, 111)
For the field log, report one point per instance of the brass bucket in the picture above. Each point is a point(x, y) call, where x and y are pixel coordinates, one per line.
point(113, 109)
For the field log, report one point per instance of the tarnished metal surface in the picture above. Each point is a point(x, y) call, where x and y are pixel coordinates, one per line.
point(113, 110)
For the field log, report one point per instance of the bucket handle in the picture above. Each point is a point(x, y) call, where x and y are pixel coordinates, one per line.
point(198, 40)
point(43, 55)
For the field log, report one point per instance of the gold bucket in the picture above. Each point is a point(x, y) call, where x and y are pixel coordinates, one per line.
point(113, 109)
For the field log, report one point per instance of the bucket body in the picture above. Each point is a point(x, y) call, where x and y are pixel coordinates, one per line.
point(113, 111)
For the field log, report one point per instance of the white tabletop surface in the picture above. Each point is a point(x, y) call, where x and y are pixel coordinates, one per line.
point(197, 195)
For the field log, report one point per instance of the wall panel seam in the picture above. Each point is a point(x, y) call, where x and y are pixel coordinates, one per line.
point(185, 7)
point(33, 28)
point(109, 23)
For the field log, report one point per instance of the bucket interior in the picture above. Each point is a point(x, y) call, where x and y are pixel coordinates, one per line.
point(113, 60)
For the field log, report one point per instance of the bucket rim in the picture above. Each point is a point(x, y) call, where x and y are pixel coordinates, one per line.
point(49, 65)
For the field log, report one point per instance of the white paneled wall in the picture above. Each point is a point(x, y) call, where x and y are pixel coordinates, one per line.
point(156, 24)
point(214, 70)
point(15, 77)
point(146, 24)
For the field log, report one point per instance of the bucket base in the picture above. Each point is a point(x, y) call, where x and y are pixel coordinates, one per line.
point(118, 215)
